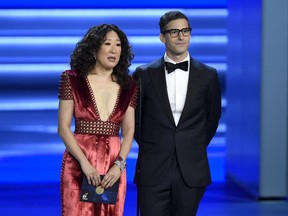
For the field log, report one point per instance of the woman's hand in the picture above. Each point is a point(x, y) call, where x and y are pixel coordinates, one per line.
point(111, 177)
point(91, 173)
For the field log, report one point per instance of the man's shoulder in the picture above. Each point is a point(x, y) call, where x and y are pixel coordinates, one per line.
point(204, 69)
point(201, 66)
point(145, 67)
point(154, 64)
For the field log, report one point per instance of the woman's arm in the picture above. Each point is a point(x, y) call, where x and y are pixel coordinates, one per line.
point(127, 138)
point(65, 113)
point(128, 127)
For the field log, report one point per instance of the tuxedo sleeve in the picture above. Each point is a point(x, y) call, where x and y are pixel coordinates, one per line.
point(213, 106)
point(137, 76)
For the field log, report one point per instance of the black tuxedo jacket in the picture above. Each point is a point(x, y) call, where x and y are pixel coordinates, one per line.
point(156, 133)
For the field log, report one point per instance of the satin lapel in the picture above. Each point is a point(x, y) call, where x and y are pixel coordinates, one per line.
point(194, 74)
point(158, 79)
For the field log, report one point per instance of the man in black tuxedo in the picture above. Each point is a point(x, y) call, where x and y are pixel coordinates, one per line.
point(177, 116)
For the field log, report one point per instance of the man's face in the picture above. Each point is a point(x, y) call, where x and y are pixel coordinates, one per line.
point(177, 46)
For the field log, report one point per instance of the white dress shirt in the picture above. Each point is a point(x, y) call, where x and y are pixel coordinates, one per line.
point(177, 83)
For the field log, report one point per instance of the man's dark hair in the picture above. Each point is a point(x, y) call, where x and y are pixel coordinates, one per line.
point(168, 17)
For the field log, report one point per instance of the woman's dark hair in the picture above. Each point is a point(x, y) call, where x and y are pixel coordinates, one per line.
point(82, 59)
point(168, 17)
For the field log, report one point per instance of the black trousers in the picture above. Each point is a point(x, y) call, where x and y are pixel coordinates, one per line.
point(170, 198)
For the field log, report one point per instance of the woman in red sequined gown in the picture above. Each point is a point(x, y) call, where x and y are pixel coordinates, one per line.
point(101, 96)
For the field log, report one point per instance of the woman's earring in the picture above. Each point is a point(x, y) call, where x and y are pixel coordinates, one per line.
point(95, 57)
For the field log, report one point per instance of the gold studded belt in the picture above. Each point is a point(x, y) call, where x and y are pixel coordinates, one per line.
point(97, 127)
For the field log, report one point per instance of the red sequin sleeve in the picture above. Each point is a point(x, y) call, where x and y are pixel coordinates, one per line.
point(65, 90)
point(133, 102)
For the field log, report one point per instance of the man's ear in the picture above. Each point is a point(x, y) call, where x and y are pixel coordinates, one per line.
point(162, 38)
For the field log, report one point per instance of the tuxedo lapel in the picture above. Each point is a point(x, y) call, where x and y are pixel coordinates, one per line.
point(193, 82)
point(157, 75)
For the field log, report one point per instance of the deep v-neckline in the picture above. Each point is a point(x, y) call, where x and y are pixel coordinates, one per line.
point(95, 104)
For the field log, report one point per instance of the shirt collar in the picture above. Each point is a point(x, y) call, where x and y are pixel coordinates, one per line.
point(167, 59)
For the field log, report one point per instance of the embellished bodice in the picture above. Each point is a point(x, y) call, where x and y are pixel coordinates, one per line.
point(87, 118)
point(97, 127)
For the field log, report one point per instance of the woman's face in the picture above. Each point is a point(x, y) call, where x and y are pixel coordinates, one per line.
point(109, 53)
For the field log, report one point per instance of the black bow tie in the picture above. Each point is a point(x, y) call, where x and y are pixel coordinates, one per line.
point(170, 67)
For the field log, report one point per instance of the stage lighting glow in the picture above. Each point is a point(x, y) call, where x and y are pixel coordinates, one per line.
point(33, 68)
point(57, 68)
point(103, 12)
point(28, 104)
point(150, 40)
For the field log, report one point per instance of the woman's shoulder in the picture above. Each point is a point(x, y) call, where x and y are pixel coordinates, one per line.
point(69, 73)
point(133, 83)
point(130, 86)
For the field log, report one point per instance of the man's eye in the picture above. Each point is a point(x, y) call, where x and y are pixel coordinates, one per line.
point(174, 31)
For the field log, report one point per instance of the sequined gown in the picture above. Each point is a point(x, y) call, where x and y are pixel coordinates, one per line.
point(99, 140)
